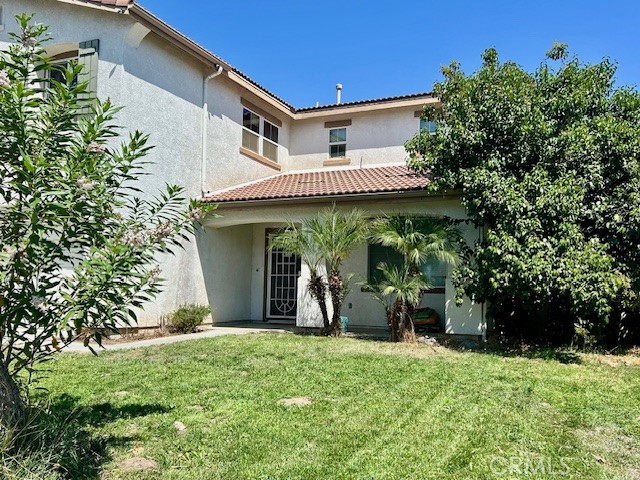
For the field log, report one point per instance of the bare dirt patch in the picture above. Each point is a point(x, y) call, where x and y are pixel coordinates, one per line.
point(295, 402)
point(627, 360)
point(618, 453)
point(138, 464)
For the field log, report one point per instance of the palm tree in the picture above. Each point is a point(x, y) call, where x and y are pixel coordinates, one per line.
point(301, 241)
point(337, 236)
point(328, 238)
point(418, 239)
point(398, 289)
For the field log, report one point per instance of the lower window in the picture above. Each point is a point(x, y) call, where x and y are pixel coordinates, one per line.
point(434, 270)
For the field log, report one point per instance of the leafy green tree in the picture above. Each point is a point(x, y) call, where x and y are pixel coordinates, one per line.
point(546, 163)
point(326, 239)
point(418, 239)
point(77, 245)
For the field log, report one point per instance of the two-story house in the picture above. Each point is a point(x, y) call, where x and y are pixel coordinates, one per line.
point(231, 141)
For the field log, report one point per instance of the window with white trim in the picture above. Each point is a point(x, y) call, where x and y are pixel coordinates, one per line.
point(259, 135)
point(428, 125)
point(337, 142)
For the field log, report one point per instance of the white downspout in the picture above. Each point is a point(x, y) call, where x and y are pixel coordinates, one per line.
point(205, 117)
point(482, 313)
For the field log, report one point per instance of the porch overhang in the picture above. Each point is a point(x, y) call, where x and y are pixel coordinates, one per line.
point(277, 211)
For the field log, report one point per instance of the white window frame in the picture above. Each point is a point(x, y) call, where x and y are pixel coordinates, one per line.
point(428, 125)
point(262, 140)
point(338, 143)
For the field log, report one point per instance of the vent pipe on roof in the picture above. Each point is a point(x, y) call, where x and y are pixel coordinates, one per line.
point(338, 93)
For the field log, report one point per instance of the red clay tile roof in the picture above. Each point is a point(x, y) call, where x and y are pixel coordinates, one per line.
point(112, 3)
point(365, 102)
point(325, 183)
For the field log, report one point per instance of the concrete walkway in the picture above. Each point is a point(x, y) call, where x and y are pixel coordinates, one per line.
point(208, 333)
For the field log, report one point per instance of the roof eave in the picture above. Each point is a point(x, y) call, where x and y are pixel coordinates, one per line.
point(414, 193)
point(90, 4)
point(365, 106)
point(173, 36)
point(187, 45)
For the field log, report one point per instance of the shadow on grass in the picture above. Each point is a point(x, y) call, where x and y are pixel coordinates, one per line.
point(539, 353)
point(469, 343)
point(67, 429)
point(512, 349)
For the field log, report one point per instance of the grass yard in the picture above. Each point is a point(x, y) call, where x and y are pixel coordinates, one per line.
point(377, 411)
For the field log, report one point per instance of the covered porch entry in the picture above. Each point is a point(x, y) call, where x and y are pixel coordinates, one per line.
point(247, 282)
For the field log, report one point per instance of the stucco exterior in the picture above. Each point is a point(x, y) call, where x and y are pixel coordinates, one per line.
point(191, 105)
point(359, 306)
point(374, 137)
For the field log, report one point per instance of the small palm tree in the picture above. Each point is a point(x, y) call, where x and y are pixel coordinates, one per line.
point(301, 240)
point(337, 235)
point(418, 239)
point(329, 238)
point(397, 290)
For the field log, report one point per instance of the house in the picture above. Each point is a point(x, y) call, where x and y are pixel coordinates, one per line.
point(231, 141)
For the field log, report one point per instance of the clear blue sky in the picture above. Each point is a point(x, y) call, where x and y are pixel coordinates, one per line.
point(300, 49)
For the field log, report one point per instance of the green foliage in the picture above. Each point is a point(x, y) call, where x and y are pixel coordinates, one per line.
point(187, 318)
point(326, 240)
point(418, 239)
point(51, 445)
point(547, 165)
point(78, 245)
point(380, 405)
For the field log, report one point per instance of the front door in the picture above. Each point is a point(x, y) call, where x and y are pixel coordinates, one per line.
point(283, 271)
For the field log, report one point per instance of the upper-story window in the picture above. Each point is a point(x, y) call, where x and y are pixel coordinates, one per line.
point(86, 55)
point(259, 135)
point(337, 142)
point(428, 126)
point(60, 64)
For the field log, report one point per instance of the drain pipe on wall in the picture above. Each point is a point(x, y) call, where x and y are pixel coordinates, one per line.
point(482, 312)
point(205, 117)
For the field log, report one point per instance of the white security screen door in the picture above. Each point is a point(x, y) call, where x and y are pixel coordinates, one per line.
point(283, 270)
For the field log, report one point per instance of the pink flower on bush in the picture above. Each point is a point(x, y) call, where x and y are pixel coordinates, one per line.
point(95, 147)
point(85, 184)
point(4, 79)
point(134, 239)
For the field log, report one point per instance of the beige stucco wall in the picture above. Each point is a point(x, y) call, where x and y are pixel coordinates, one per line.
point(226, 261)
point(226, 166)
point(161, 89)
point(373, 137)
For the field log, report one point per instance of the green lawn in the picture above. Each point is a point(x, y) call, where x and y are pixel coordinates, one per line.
point(378, 411)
